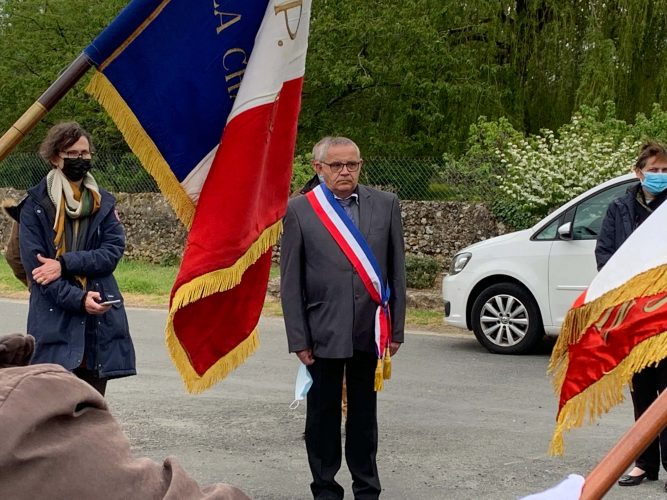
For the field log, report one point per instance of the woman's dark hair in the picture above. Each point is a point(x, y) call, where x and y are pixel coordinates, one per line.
point(648, 151)
point(60, 137)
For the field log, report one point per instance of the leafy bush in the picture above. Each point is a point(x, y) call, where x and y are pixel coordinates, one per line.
point(543, 171)
point(421, 271)
point(302, 171)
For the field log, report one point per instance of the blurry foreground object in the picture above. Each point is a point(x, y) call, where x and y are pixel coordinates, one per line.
point(60, 441)
point(569, 489)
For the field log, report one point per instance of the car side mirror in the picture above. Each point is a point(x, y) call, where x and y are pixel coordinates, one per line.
point(565, 231)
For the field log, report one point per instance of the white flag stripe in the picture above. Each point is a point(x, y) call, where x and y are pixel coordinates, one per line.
point(645, 249)
point(193, 183)
point(275, 58)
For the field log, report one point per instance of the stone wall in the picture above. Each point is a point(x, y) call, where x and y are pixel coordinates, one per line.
point(438, 229)
point(153, 233)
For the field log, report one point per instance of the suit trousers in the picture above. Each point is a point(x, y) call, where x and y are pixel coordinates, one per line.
point(646, 386)
point(323, 420)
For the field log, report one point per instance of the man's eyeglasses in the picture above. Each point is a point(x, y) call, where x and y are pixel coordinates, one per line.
point(74, 155)
point(337, 166)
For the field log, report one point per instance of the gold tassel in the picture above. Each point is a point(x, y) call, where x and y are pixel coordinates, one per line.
point(386, 369)
point(379, 381)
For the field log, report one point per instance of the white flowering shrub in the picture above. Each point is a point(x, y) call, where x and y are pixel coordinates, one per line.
point(541, 172)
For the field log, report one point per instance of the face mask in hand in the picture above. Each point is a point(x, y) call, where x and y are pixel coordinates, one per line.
point(75, 168)
point(302, 386)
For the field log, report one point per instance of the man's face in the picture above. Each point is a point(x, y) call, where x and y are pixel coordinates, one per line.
point(336, 169)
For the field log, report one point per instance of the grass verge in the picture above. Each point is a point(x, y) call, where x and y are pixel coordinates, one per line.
point(149, 285)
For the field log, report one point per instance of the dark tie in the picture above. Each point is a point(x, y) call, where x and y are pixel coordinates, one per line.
point(347, 206)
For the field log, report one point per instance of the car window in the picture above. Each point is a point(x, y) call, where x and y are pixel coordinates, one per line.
point(549, 232)
point(590, 212)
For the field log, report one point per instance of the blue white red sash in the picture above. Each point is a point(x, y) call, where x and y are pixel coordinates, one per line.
point(350, 240)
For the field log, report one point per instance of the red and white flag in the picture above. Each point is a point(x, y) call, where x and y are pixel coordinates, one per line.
point(616, 328)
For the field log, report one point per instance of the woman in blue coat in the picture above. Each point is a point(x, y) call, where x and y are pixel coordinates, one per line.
point(71, 241)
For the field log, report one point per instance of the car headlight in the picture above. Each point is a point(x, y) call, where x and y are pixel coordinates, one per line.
point(459, 262)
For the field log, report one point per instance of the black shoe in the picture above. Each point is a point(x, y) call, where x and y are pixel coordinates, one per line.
point(665, 486)
point(628, 480)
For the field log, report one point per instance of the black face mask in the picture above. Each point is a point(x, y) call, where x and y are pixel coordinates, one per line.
point(75, 168)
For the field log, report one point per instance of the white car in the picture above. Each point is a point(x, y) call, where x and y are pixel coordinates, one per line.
point(512, 289)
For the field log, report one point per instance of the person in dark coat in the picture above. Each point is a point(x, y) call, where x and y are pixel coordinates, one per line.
point(71, 240)
point(624, 215)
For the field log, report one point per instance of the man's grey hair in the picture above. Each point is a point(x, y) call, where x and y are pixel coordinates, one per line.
point(321, 149)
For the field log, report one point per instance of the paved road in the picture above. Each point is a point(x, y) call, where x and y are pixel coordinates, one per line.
point(455, 422)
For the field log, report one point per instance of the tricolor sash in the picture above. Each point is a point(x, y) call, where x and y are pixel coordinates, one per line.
point(353, 244)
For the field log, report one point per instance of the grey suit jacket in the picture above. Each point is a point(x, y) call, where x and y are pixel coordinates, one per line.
point(325, 304)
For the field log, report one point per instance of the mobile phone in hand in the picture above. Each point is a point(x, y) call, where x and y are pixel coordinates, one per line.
point(110, 302)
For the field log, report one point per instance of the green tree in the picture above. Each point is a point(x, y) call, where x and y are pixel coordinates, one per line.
point(38, 39)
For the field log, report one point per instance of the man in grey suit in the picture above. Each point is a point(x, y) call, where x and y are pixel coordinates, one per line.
point(330, 316)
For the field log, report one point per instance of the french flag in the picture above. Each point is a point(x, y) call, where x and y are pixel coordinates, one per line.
point(233, 70)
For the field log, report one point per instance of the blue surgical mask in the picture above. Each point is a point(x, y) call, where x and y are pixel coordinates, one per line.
point(654, 182)
point(320, 177)
point(302, 386)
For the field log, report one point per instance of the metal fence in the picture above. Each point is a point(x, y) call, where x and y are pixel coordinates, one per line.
point(410, 179)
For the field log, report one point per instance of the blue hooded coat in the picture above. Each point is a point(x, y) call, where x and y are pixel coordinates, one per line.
point(56, 318)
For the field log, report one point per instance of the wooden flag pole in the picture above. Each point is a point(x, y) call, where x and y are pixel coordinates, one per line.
point(627, 449)
point(44, 104)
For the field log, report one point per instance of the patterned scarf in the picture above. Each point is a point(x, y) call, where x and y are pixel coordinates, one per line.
point(73, 207)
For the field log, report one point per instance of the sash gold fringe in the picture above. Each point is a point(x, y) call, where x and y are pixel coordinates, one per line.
point(204, 286)
point(578, 320)
point(607, 392)
point(382, 371)
point(142, 145)
point(386, 369)
point(379, 381)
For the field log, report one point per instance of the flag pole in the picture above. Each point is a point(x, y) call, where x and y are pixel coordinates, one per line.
point(627, 449)
point(44, 104)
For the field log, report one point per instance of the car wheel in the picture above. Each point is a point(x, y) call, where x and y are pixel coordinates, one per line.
point(506, 319)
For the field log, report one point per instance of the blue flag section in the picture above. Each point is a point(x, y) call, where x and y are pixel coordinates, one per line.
point(168, 73)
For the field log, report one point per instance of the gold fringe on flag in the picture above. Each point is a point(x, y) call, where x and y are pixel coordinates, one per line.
point(204, 286)
point(607, 392)
point(602, 395)
point(578, 320)
point(142, 146)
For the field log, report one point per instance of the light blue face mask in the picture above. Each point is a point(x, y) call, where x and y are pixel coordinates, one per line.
point(320, 177)
point(654, 182)
point(302, 386)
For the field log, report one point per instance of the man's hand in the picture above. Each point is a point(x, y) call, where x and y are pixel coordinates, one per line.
point(393, 348)
point(48, 272)
point(306, 356)
point(91, 303)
